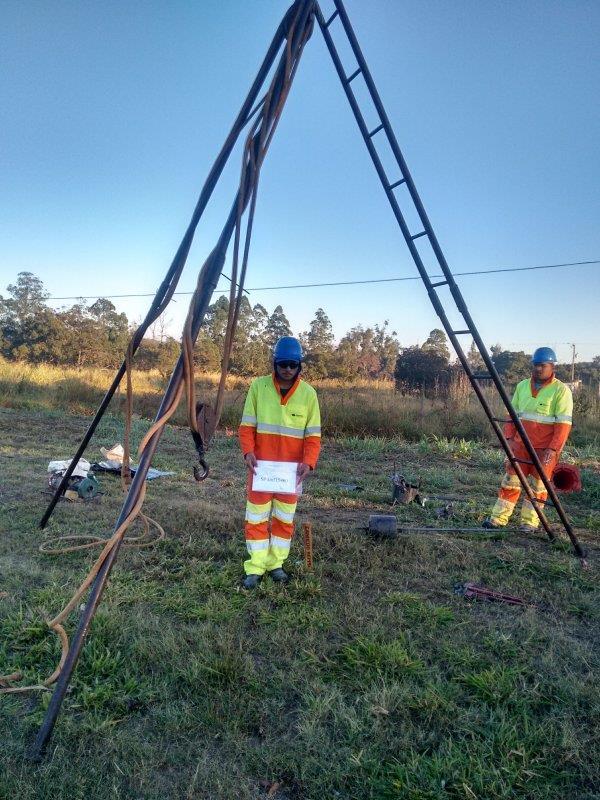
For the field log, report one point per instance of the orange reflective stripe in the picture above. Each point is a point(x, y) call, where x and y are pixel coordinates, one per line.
point(256, 532)
point(283, 529)
point(278, 448)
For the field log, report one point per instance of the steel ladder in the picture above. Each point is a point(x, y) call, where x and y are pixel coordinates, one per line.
point(339, 20)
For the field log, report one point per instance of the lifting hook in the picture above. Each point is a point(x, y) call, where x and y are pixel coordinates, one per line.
point(205, 422)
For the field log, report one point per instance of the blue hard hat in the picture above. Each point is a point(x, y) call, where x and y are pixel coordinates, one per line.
point(544, 355)
point(288, 348)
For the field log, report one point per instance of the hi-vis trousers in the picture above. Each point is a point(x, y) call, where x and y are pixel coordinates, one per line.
point(510, 491)
point(268, 552)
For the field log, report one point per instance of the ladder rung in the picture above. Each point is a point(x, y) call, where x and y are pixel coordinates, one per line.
point(456, 333)
point(546, 503)
point(398, 183)
point(439, 283)
point(502, 419)
point(331, 18)
point(418, 235)
point(350, 78)
point(375, 130)
point(523, 461)
point(481, 377)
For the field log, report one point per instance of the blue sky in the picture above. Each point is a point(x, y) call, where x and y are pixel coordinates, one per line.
point(112, 113)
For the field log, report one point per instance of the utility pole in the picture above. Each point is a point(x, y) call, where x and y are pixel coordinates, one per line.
point(574, 354)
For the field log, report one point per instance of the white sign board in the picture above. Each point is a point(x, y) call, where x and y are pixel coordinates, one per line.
point(275, 476)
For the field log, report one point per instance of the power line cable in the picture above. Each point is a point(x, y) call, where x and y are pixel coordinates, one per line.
point(139, 294)
point(492, 271)
point(558, 344)
point(432, 277)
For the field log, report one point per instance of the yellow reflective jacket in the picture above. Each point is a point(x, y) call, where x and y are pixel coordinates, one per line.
point(277, 428)
point(546, 413)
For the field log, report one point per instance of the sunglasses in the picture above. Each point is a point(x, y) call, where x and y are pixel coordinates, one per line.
point(288, 364)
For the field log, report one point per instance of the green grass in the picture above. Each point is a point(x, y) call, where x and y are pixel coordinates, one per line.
point(366, 679)
point(370, 413)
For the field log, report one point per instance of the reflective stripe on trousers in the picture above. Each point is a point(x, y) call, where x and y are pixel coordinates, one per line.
point(266, 551)
point(508, 496)
point(510, 490)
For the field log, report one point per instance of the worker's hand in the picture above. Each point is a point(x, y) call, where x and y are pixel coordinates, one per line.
point(548, 456)
point(251, 462)
point(301, 473)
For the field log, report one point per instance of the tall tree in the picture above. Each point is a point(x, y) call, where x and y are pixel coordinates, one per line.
point(513, 366)
point(260, 317)
point(421, 368)
point(319, 337)
point(474, 358)
point(276, 327)
point(318, 345)
point(28, 296)
point(436, 343)
point(425, 367)
point(241, 357)
point(356, 355)
point(387, 348)
point(79, 346)
point(25, 320)
point(211, 338)
point(259, 357)
point(112, 332)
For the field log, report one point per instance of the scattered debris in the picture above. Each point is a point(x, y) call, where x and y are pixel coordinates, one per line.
point(380, 711)
point(102, 466)
point(349, 487)
point(445, 511)
point(113, 462)
point(60, 467)
point(472, 591)
point(82, 484)
point(404, 492)
point(270, 787)
point(114, 457)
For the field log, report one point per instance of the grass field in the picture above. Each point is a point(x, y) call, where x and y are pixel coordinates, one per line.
point(362, 408)
point(366, 678)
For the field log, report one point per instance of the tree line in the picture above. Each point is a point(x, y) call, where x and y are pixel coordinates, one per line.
point(96, 334)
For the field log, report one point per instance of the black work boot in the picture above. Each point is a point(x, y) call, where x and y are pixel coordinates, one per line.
point(488, 523)
point(524, 527)
point(279, 575)
point(251, 581)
